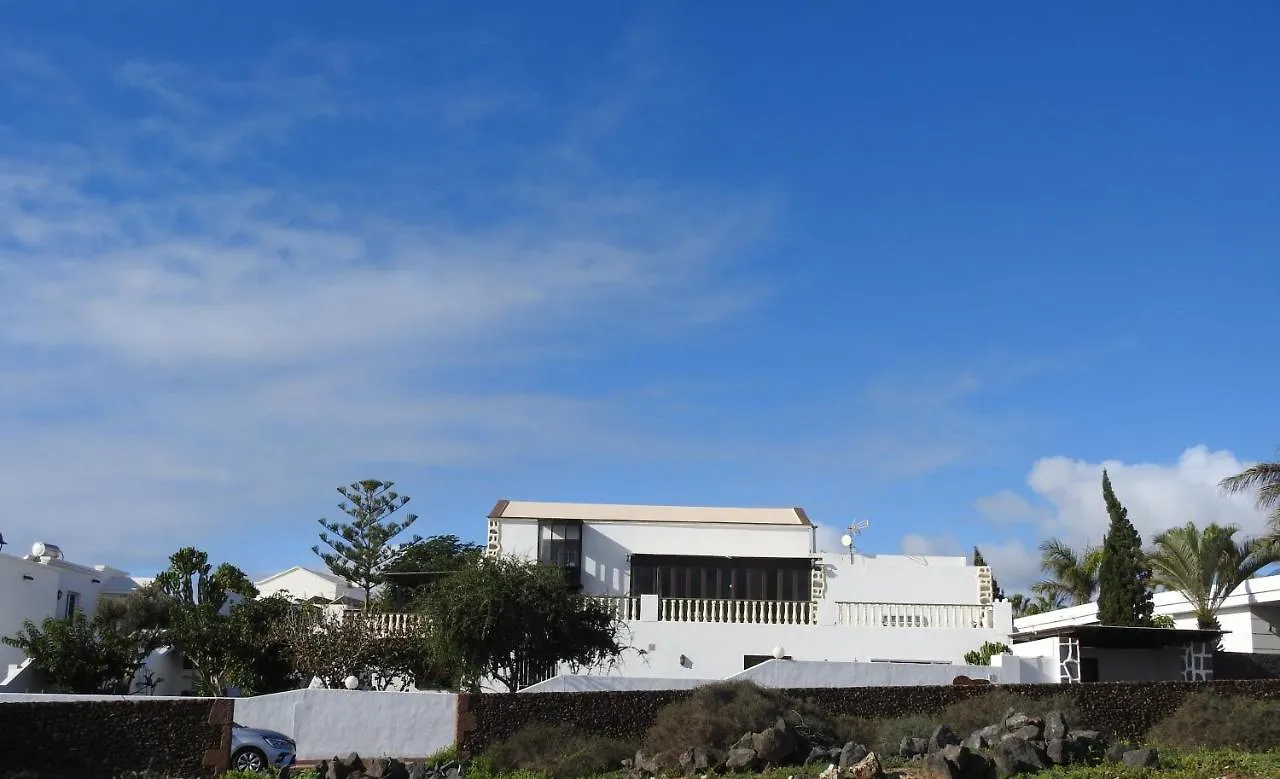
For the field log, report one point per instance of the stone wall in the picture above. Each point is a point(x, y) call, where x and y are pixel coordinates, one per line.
point(109, 738)
point(1122, 710)
point(1243, 665)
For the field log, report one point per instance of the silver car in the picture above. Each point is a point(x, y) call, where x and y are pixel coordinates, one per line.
point(256, 749)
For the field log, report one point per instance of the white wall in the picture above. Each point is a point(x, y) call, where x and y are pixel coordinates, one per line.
point(302, 584)
point(788, 674)
point(716, 650)
point(28, 590)
point(900, 579)
point(373, 724)
point(800, 675)
point(605, 545)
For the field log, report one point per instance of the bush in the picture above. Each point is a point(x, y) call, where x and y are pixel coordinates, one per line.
point(989, 708)
point(559, 751)
point(1209, 721)
point(716, 715)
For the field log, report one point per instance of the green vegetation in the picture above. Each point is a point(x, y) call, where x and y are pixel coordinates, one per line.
point(503, 617)
point(1263, 480)
point(1207, 565)
point(1124, 576)
point(362, 551)
point(983, 654)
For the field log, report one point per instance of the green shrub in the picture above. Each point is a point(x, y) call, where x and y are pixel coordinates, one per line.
point(1209, 721)
point(988, 708)
point(716, 715)
point(559, 751)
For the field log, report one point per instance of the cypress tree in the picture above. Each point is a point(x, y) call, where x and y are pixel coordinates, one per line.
point(1124, 577)
point(978, 562)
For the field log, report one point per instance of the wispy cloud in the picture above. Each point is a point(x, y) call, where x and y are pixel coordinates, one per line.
point(184, 347)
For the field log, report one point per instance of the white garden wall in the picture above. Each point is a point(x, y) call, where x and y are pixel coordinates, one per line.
point(373, 724)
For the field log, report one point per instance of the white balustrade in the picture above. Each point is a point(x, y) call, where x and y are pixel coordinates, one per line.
point(388, 623)
point(914, 615)
point(768, 612)
point(627, 607)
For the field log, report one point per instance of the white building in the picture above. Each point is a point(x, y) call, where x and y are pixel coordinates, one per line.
point(1250, 616)
point(311, 585)
point(707, 592)
point(44, 584)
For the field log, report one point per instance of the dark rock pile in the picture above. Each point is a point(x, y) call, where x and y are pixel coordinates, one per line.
point(354, 767)
point(1018, 744)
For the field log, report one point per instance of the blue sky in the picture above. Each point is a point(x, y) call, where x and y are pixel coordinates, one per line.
point(930, 266)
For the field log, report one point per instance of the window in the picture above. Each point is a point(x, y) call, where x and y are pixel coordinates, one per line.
point(749, 661)
point(560, 544)
point(722, 578)
point(72, 603)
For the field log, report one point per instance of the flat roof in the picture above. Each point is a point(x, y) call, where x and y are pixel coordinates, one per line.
point(612, 512)
point(1120, 637)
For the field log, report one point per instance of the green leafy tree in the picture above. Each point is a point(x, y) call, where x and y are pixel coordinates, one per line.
point(978, 562)
point(1264, 480)
point(361, 549)
point(1124, 575)
point(983, 654)
point(81, 655)
point(1207, 565)
point(420, 567)
point(1163, 621)
point(332, 648)
point(200, 622)
point(1071, 577)
point(505, 619)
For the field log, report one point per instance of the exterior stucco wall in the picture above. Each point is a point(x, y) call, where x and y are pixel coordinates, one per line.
point(606, 545)
point(372, 724)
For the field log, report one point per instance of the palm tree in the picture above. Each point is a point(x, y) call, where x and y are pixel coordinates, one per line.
point(1207, 565)
point(1024, 606)
point(1072, 577)
point(1265, 478)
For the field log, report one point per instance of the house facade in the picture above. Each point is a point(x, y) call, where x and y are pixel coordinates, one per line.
point(310, 585)
point(704, 593)
point(44, 584)
point(1249, 617)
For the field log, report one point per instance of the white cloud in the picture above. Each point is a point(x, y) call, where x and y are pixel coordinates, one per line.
point(1068, 504)
point(183, 353)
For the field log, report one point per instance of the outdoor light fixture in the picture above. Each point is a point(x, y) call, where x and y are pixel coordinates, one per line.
point(352, 682)
point(1, 542)
point(779, 653)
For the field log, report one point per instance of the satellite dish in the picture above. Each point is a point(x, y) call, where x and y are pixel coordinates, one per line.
point(846, 540)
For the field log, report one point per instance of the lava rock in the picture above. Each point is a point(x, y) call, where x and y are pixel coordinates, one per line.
point(1014, 755)
point(912, 747)
point(866, 768)
point(775, 745)
point(942, 736)
point(1146, 757)
point(851, 754)
point(1055, 726)
point(740, 759)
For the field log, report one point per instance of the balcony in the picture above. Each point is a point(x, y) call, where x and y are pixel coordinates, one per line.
point(914, 615)
point(632, 608)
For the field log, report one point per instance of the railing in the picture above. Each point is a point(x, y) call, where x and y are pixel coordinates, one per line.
point(769, 612)
point(913, 615)
point(627, 607)
point(387, 623)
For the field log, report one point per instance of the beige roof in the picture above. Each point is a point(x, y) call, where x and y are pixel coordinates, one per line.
point(608, 512)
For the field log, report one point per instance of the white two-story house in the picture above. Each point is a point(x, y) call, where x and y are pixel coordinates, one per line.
point(44, 584)
point(705, 593)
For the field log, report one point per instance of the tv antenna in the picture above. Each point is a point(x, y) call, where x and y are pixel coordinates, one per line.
point(851, 534)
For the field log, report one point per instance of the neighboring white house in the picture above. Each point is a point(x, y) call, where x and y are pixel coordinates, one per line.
point(708, 592)
point(44, 584)
point(308, 584)
point(1250, 616)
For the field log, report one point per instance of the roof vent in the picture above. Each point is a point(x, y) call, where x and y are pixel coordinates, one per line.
point(42, 551)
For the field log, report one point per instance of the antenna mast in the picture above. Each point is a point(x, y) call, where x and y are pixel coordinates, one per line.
point(848, 539)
